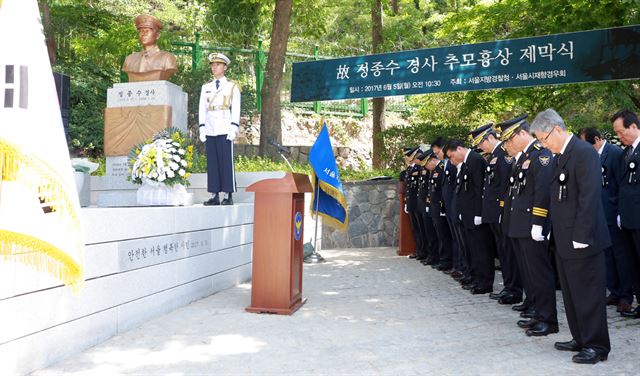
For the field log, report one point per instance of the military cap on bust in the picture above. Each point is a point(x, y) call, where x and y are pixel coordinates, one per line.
point(216, 57)
point(510, 127)
point(477, 135)
point(145, 20)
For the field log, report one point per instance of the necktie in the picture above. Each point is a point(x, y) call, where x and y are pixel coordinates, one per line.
point(558, 159)
point(217, 84)
point(628, 154)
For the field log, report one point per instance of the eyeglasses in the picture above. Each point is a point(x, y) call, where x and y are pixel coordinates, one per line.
point(544, 140)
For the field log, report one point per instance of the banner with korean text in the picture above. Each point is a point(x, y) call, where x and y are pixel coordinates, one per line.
point(586, 56)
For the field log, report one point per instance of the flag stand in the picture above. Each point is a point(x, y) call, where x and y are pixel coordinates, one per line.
point(315, 257)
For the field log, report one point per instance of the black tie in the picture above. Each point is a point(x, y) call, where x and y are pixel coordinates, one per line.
point(217, 84)
point(558, 159)
point(628, 154)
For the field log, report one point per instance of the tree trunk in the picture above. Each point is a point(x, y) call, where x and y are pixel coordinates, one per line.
point(270, 118)
point(50, 38)
point(395, 7)
point(378, 103)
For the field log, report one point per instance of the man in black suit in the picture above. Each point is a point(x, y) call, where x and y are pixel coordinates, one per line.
point(625, 124)
point(410, 177)
point(619, 278)
point(438, 213)
point(430, 238)
point(528, 225)
point(580, 235)
point(448, 193)
point(496, 182)
point(469, 187)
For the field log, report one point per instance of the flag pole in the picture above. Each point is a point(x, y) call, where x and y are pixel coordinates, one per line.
point(315, 257)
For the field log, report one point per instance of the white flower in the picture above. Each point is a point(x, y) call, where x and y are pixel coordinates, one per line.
point(181, 151)
point(183, 163)
point(161, 177)
point(177, 158)
point(154, 175)
point(174, 166)
point(175, 144)
point(170, 174)
point(181, 172)
point(172, 150)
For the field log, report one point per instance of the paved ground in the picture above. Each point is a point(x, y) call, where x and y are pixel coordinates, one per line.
point(369, 312)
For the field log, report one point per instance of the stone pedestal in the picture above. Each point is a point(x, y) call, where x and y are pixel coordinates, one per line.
point(135, 111)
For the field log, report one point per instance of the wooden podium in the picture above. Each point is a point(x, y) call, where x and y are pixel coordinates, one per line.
point(407, 241)
point(278, 225)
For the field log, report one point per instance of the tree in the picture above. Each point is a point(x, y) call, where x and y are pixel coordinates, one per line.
point(270, 118)
point(378, 103)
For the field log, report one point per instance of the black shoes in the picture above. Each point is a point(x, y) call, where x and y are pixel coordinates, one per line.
point(541, 329)
point(227, 201)
point(478, 291)
point(520, 307)
point(509, 299)
point(567, 346)
point(215, 200)
point(527, 324)
point(497, 295)
point(529, 313)
point(634, 314)
point(589, 356)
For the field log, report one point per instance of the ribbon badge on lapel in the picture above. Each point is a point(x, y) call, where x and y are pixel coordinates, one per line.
point(490, 173)
point(465, 178)
point(605, 182)
point(512, 182)
point(633, 166)
point(562, 192)
point(522, 181)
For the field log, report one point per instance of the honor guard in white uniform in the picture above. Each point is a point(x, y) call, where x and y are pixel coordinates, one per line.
point(219, 119)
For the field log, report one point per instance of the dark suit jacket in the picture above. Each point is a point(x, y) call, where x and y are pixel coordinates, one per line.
point(506, 210)
point(448, 189)
point(629, 194)
point(531, 206)
point(437, 179)
point(580, 216)
point(611, 160)
point(469, 197)
point(496, 182)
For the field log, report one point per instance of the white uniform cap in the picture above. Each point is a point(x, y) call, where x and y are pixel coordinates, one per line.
point(216, 57)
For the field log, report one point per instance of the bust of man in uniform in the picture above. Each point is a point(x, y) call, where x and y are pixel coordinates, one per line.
point(151, 64)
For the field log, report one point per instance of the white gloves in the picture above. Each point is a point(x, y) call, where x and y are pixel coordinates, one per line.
point(233, 133)
point(203, 137)
point(577, 245)
point(536, 233)
point(477, 221)
point(618, 220)
point(405, 209)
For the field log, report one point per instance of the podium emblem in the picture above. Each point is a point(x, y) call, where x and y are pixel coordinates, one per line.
point(297, 226)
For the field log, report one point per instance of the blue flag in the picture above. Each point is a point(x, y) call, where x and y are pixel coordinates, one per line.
point(328, 194)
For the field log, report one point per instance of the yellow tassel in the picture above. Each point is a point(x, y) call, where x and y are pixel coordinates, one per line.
point(35, 174)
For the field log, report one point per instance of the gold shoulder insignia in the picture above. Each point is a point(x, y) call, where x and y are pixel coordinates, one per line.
point(537, 145)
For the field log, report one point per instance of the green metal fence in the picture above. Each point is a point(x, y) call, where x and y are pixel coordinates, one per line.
point(358, 108)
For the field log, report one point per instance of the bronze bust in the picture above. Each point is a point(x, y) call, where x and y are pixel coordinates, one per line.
point(151, 64)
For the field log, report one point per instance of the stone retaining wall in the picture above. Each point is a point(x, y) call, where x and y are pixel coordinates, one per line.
point(373, 217)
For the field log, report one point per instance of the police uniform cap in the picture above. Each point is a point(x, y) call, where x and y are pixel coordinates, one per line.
point(216, 57)
point(477, 135)
point(410, 150)
point(146, 20)
point(510, 127)
point(422, 155)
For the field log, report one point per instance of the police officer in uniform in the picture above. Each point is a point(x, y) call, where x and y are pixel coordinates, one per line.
point(469, 183)
point(412, 177)
point(528, 223)
point(430, 239)
point(438, 213)
point(580, 235)
point(619, 279)
point(219, 119)
point(627, 127)
point(496, 182)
